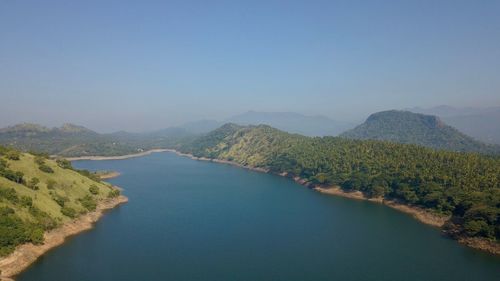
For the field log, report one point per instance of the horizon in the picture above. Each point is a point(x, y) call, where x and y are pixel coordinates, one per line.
point(136, 67)
point(228, 119)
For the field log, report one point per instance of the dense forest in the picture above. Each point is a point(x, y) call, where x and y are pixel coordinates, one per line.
point(463, 185)
point(414, 128)
point(37, 194)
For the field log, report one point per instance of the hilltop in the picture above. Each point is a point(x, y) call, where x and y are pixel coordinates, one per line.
point(414, 128)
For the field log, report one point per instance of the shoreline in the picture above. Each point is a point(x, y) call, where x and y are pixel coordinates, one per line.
point(109, 175)
point(120, 157)
point(26, 254)
point(417, 213)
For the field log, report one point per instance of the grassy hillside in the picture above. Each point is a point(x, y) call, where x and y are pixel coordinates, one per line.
point(38, 194)
point(463, 185)
point(415, 128)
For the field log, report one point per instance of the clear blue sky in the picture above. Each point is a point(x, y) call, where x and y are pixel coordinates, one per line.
point(141, 65)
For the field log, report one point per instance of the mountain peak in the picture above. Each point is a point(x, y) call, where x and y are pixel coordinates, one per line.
point(416, 128)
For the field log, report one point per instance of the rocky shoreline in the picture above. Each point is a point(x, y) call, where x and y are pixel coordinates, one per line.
point(26, 254)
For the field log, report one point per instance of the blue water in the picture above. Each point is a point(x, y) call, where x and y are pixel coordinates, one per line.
point(192, 220)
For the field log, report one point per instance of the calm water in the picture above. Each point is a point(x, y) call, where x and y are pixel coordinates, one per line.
point(190, 220)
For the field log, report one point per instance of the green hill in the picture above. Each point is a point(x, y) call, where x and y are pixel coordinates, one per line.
point(71, 140)
point(38, 194)
point(463, 185)
point(415, 128)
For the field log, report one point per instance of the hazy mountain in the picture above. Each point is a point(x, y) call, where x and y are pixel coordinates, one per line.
point(201, 126)
point(73, 140)
point(480, 123)
point(293, 122)
point(416, 128)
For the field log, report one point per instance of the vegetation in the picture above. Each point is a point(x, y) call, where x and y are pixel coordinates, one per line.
point(72, 141)
point(33, 200)
point(463, 185)
point(415, 128)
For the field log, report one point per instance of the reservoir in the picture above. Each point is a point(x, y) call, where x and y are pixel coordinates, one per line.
point(191, 220)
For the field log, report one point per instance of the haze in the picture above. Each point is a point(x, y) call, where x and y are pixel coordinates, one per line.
point(148, 65)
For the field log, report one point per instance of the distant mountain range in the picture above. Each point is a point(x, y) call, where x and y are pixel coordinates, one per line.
point(415, 128)
point(287, 121)
point(480, 123)
point(396, 126)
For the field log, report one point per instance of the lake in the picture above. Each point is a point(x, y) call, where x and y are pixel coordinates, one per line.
point(193, 220)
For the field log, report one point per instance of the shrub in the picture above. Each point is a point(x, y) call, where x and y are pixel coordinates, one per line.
point(93, 189)
point(65, 164)
point(69, 212)
point(36, 236)
point(51, 184)
point(17, 177)
point(33, 184)
point(9, 194)
point(88, 202)
point(60, 200)
point(45, 168)
point(26, 201)
point(13, 155)
point(113, 193)
point(39, 160)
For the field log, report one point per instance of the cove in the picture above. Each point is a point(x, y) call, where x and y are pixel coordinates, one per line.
point(194, 220)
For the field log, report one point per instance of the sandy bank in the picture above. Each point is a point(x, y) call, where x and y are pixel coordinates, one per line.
point(97, 158)
point(26, 254)
point(109, 175)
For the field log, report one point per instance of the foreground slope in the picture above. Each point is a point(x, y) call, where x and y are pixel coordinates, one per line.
point(415, 128)
point(463, 186)
point(38, 194)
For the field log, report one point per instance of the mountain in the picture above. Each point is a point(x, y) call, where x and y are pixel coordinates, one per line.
point(293, 122)
point(461, 185)
point(38, 194)
point(201, 126)
point(72, 140)
point(415, 128)
point(480, 123)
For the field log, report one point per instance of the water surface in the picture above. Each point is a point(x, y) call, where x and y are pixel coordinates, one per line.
point(191, 220)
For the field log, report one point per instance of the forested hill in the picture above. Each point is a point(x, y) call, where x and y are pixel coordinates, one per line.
point(38, 194)
point(72, 140)
point(415, 128)
point(464, 185)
